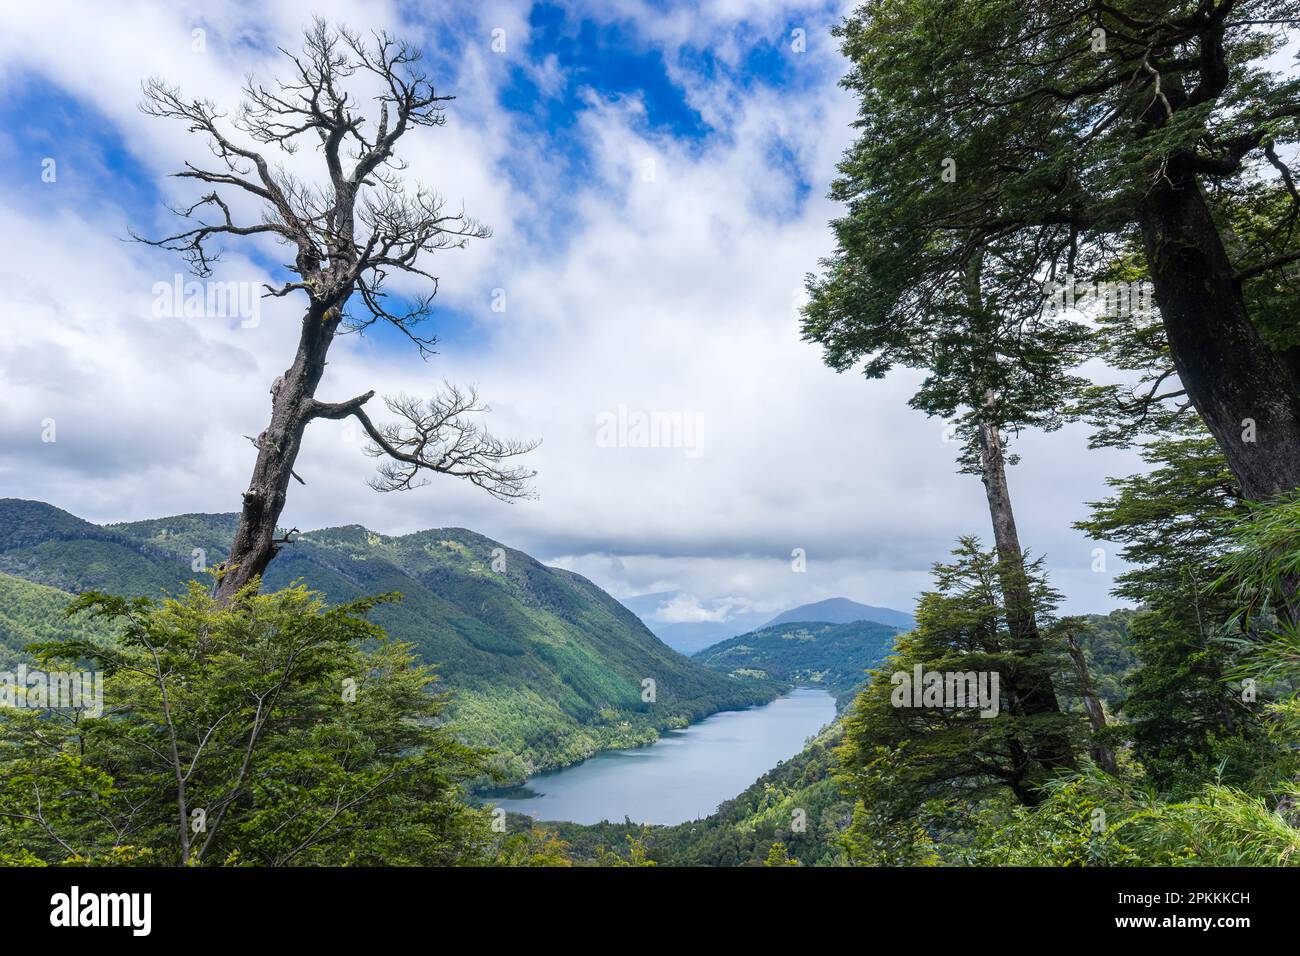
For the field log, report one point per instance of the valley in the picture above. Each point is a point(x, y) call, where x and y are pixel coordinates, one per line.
point(716, 318)
point(545, 668)
point(731, 755)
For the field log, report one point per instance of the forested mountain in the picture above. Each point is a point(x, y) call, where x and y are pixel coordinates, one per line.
point(843, 611)
point(546, 667)
point(1108, 650)
point(834, 656)
point(691, 637)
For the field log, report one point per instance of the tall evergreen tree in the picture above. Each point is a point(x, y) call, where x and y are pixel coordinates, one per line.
point(997, 361)
point(1071, 132)
point(899, 752)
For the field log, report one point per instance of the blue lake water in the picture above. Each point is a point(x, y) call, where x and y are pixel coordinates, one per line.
point(682, 776)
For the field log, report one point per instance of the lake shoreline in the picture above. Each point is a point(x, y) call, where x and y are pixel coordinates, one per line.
point(685, 774)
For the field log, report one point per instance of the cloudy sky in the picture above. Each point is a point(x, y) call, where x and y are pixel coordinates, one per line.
point(655, 179)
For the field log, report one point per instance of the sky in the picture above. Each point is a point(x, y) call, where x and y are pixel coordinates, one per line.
point(655, 178)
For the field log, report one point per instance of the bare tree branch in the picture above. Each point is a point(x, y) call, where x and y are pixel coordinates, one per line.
point(364, 224)
point(437, 435)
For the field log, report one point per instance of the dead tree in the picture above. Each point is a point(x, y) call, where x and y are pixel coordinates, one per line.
point(349, 234)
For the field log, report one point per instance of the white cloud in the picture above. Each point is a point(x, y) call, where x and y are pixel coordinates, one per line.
point(687, 609)
point(675, 293)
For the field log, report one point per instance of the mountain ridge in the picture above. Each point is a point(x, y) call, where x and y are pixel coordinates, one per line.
point(547, 668)
point(692, 637)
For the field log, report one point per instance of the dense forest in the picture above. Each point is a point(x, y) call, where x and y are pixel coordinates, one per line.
point(30, 613)
point(1118, 194)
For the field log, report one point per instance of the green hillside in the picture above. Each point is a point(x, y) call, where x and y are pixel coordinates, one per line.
point(834, 656)
point(546, 667)
point(34, 612)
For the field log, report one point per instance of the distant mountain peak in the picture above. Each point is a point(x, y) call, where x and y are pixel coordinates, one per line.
point(841, 610)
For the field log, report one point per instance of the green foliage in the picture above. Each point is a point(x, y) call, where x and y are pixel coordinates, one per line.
point(1108, 649)
point(779, 856)
point(1180, 810)
point(889, 826)
point(636, 854)
point(1186, 722)
point(533, 847)
point(1181, 715)
point(1172, 520)
point(1072, 827)
point(835, 656)
point(1264, 569)
point(1053, 143)
point(32, 612)
point(961, 628)
point(271, 731)
point(1096, 820)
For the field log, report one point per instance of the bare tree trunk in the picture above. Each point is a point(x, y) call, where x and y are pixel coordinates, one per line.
point(255, 542)
point(1102, 755)
point(1033, 685)
point(1247, 394)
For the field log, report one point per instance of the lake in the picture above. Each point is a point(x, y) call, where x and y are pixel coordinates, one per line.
point(682, 776)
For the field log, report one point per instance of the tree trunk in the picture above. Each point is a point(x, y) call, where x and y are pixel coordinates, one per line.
point(1033, 684)
point(255, 542)
point(1230, 374)
point(1102, 755)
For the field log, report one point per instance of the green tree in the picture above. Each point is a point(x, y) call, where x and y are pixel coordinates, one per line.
point(1252, 822)
point(268, 731)
point(637, 853)
point(1186, 722)
point(1070, 133)
point(533, 847)
point(1097, 819)
point(778, 855)
point(996, 361)
point(898, 752)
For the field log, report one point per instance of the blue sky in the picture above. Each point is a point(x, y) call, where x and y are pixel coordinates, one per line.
point(655, 176)
point(609, 58)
